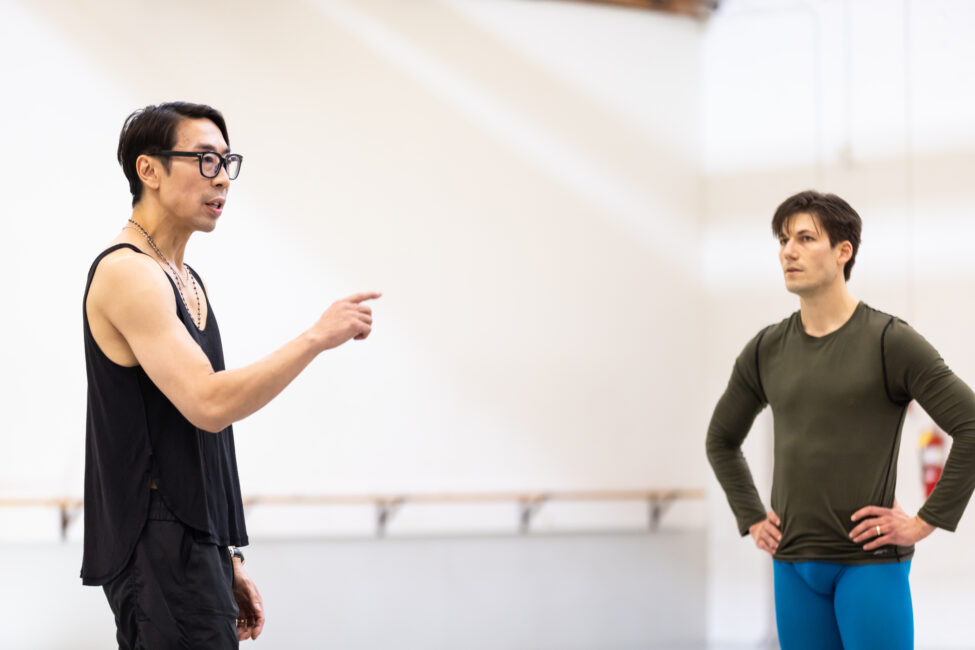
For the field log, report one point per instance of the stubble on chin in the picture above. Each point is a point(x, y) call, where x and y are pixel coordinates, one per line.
point(794, 287)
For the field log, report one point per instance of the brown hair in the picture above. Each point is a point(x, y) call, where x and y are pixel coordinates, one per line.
point(840, 221)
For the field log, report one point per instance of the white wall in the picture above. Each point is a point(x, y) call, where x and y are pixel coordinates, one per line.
point(872, 100)
point(520, 179)
point(566, 206)
point(518, 218)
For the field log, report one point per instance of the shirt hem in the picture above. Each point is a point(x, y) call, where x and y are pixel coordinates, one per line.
point(887, 559)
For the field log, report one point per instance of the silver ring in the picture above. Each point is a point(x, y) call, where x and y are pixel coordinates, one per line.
point(878, 530)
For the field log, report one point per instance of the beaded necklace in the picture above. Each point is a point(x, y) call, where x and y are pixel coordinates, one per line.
point(180, 283)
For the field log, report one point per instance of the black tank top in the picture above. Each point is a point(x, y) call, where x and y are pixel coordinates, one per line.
point(134, 436)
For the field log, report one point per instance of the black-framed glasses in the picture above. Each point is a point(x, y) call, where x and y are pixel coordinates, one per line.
point(211, 162)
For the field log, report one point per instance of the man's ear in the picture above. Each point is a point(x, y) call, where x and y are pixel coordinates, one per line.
point(846, 252)
point(148, 170)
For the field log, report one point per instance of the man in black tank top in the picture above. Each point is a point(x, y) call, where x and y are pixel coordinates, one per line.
point(163, 511)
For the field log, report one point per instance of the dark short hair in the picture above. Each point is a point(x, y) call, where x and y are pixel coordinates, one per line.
point(153, 128)
point(840, 221)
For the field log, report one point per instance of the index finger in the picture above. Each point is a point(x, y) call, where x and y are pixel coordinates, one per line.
point(867, 511)
point(774, 518)
point(365, 295)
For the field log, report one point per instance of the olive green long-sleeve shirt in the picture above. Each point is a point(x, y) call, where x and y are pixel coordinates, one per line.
point(838, 404)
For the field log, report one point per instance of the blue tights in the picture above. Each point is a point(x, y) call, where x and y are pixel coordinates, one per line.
point(822, 606)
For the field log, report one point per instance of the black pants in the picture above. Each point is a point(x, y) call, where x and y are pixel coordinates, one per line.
point(175, 592)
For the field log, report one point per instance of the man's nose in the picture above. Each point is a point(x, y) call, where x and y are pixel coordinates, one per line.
point(222, 179)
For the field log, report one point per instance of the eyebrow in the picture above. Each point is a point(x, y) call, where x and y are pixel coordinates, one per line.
point(209, 147)
point(804, 231)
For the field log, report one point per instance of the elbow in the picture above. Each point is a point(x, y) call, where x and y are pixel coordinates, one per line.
point(212, 426)
point(711, 455)
point(717, 446)
point(711, 443)
point(209, 417)
point(203, 404)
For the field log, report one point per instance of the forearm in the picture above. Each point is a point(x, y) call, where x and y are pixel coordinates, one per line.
point(732, 418)
point(951, 495)
point(951, 404)
point(231, 395)
point(733, 474)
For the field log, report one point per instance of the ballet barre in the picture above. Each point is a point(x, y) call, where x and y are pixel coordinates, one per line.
point(387, 505)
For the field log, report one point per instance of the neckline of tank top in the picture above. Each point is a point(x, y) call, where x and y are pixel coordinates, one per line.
point(179, 305)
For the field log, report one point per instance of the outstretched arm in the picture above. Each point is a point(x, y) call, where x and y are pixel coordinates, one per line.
point(135, 298)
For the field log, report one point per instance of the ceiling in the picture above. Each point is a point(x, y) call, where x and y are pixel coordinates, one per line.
point(693, 8)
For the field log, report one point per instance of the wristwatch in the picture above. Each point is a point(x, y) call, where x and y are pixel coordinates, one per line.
point(236, 552)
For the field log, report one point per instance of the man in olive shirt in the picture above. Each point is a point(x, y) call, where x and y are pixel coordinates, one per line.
point(839, 377)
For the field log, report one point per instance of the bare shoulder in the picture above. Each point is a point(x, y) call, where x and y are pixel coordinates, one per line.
point(125, 280)
point(129, 296)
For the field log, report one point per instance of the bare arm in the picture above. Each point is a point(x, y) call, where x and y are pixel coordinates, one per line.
point(137, 300)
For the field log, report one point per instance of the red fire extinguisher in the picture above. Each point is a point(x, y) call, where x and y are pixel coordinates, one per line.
point(932, 458)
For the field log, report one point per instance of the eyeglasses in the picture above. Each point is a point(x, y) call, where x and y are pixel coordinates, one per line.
point(211, 162)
